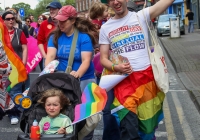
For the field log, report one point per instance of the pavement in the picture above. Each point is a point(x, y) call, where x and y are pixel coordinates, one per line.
point(184, 54)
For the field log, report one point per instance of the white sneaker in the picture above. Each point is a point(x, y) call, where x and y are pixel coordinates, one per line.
point(14, 121)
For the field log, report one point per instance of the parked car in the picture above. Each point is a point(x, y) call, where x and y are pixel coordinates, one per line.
point(163, 26)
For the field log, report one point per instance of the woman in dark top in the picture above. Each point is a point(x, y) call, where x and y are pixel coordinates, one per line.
point(30, 28)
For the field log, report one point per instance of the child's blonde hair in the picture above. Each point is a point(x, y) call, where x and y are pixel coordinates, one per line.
point(64, 101)
point(111, 12)
point(97, 9)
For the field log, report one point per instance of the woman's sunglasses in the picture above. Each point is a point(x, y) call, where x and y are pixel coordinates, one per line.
point(8, 19)
point(28, 21)
point(40, 18)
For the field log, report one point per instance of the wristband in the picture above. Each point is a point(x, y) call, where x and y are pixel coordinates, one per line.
point(113, 67)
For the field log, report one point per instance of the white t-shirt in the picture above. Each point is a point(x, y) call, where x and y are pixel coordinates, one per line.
point(127, 39)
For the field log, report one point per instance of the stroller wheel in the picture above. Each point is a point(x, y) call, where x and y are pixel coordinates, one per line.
point(26, 102)
point(17, 98)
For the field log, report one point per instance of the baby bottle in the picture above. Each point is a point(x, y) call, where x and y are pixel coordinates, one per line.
point(35, 131)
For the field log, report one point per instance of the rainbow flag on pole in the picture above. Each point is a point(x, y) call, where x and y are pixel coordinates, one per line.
point(93, 101)
point(18, 73)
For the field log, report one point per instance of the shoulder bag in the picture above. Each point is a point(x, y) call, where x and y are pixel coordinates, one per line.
point(157, 60)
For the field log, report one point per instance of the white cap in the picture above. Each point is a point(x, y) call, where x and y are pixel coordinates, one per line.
point(35, 123)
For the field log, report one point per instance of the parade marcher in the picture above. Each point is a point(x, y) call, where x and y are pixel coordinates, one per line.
point(41, 18)
point(19, 44)
point(98, 13)
point(46, 27)
point(5, 70)
point(30, 28)
point(59, 45)
point(18, 22)
point(124, 33)
point(32, 23)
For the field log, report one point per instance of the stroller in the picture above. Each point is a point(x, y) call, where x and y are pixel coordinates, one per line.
point(70, 87)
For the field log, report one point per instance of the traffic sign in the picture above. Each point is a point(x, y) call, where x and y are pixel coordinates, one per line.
point(21, 12)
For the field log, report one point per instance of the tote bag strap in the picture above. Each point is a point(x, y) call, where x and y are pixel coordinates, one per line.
point(72, 50)
point(145, 38)
point(154, 39)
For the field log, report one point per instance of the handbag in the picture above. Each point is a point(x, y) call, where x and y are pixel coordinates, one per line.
point(72, 50)
point(157, 60)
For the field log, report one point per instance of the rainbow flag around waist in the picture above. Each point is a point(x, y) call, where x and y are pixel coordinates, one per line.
point(93, 101)
point(18, 73)
point(138, 93)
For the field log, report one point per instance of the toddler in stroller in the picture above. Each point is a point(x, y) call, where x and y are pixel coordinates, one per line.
point(70, 86)
point(54, 102)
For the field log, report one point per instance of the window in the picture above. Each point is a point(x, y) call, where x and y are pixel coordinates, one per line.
point(80, 6)
point(87, 4)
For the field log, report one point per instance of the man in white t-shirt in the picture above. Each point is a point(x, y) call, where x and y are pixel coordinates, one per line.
point(127, 35)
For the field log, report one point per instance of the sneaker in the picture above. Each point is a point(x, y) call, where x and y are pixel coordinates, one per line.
point(14, 121)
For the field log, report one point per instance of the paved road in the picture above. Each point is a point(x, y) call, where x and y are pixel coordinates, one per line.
point(181, 122)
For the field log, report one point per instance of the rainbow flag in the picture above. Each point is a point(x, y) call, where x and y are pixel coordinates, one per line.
point(143, 97)
point(18, 73)
point(93, 101)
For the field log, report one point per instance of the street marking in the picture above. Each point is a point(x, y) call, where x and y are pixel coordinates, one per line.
point(10, 129)
point(177, 90)
point(185, 126)
point(168, 121)
point(34, 73)
point(160, 134)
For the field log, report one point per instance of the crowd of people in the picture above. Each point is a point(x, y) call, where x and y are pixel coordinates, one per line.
point(109, 27)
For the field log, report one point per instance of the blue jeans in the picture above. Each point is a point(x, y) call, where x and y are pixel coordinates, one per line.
point(191, 26)
point(18, 88)
point(111, 129)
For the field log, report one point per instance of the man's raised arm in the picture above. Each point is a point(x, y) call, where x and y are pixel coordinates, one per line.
point(159, 8)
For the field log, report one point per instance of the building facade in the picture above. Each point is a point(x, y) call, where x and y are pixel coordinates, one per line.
point(181, 7)
point(178, 7)
point(82, 6)
point(194, 6)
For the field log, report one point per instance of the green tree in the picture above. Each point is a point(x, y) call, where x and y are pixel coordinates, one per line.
point(70, 2)
point(1, 9)
point(41, 7)
point(25, 6)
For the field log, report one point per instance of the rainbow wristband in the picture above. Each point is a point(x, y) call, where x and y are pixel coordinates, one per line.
point(113, 67)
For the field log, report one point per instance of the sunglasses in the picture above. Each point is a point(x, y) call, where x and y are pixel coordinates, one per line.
point(8, 19)
point(28, 21)
point(40, 18)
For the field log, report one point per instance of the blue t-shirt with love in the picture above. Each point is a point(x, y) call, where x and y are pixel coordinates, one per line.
point(84, 44)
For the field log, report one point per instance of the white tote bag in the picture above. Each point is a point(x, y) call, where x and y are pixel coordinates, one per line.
point(157, 60)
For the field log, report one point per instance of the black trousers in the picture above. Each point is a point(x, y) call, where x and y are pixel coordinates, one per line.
point(129, 127)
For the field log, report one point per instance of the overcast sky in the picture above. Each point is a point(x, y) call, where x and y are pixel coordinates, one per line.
point(9, 3)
